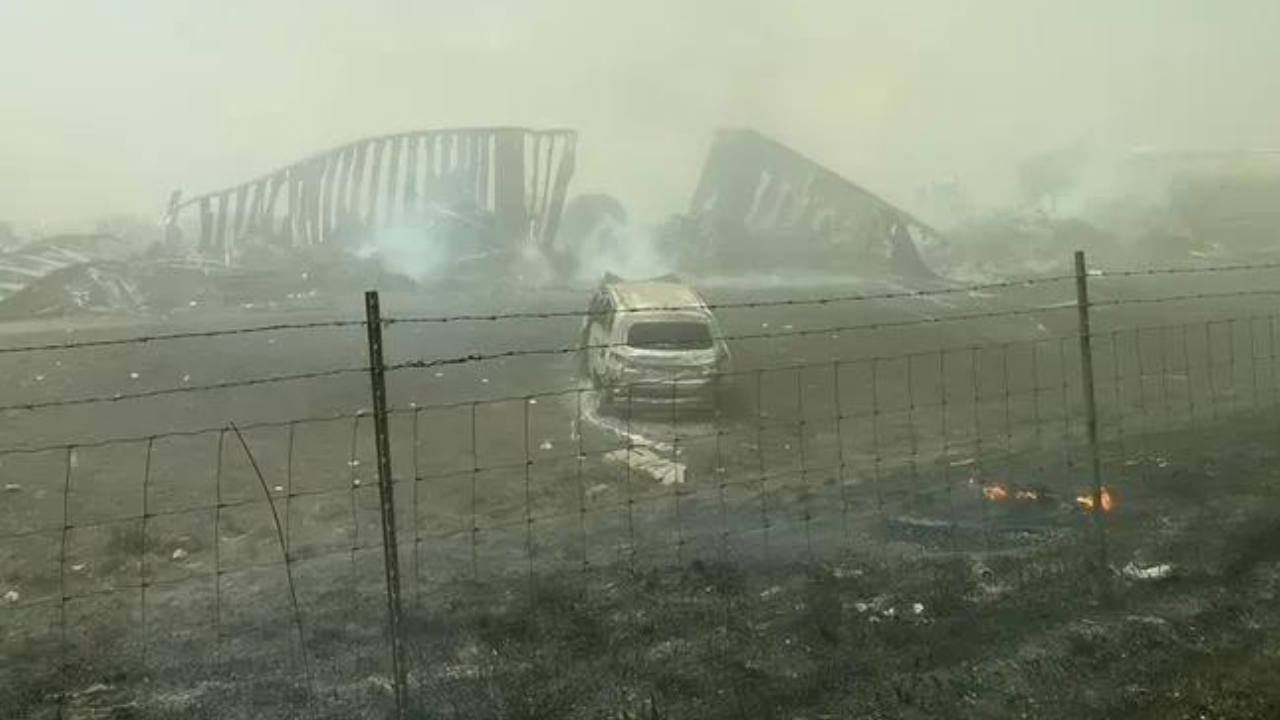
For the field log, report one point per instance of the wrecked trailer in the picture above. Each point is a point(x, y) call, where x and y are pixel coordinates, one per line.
point(464, 193)
point(761, 205)
point(65, 275)
point(89, 287)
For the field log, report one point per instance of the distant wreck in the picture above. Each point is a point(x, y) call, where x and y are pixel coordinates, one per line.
point(476, 197)
point(66, 274)
point(475, 202)
point(462, 207)
point(759, 204)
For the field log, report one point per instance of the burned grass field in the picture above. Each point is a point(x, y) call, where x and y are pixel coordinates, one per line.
point(890, 519)
point(1181, 623)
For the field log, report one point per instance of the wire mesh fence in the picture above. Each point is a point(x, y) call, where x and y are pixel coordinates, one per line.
point(926, 465)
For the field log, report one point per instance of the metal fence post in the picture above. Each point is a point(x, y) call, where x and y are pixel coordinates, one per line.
point(387, 505)
point(1091, 414)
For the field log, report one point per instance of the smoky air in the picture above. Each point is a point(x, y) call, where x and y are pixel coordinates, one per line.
point(638, 360)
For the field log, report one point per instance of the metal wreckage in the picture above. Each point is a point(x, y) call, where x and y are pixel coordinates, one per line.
point(486, 199)
point(760, 204)
point(473, 192)
point(481, 204)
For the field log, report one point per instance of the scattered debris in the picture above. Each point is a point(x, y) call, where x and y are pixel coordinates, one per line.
point(87, 287)
point(381, 682)
point(12, 597)
point(596, 490)
point(1152, 572)
point(94, 689)
point(79, 567)
point(647, 461)
point(12, 487)
point(770, 592)
point(179, 555)
point(546, 445)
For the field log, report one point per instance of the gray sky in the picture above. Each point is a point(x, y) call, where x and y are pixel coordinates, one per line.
point(107, 105)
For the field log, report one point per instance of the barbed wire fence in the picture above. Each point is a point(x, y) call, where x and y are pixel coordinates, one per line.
point(120, 563)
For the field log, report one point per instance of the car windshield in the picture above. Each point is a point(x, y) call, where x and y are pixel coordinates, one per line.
point(670, 335)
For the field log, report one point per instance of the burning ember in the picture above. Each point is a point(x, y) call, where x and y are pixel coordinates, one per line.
point(997, 491)
point(1085, 502)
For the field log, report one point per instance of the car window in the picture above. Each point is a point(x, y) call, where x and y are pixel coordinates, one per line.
point(670, 335)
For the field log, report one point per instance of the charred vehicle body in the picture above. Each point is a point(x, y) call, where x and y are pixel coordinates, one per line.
point(653, 342)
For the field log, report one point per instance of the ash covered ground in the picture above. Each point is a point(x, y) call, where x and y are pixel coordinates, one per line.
point(817, 548)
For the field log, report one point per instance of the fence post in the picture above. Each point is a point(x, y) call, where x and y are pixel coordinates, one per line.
point(1091, 414)
point(387, 504)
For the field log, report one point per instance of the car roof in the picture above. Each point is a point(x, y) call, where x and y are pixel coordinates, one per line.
point(655, 295)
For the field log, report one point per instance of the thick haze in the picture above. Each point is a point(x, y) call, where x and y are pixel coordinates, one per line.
point(107, 106)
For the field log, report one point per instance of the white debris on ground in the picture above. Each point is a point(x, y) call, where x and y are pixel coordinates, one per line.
point(596, 490)
point(12, 597)
point(770, 592)
point(546, 445)
point(12, 487)
point(1152, 572)
point(79, 567)
point(179, 555)
point(648, 462)
point(881, 608)
point(134, 376)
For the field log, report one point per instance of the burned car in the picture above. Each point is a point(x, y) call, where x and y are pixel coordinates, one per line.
point(653, 342)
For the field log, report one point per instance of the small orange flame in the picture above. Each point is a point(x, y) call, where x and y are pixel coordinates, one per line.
point(1085, 502)
point(994, 492)
point(997, 491)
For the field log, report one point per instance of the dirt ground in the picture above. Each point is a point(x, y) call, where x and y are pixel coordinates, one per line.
point(822, 548)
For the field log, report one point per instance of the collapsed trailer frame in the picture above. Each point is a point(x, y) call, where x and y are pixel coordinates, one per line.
point(518, 176)
point(758, 196)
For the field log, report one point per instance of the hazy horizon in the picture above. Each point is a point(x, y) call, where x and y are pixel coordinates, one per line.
point(107, 107)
